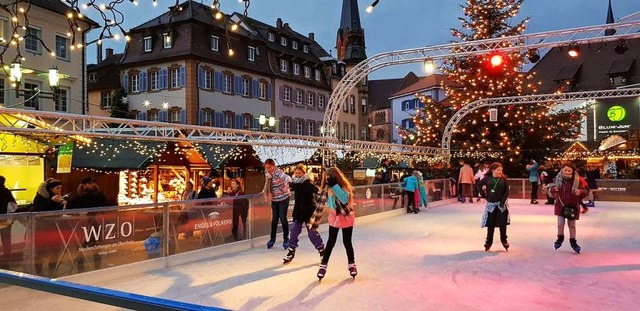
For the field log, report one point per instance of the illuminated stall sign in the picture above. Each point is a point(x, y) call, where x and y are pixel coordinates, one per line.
point(616, 116)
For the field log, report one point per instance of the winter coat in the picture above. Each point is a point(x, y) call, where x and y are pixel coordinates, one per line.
point(563, 189)
point(87, 199)
point(207, 193)
point(410, 183)
point(466, 175)
point(5, 197)
point(591, 178)
point(304, 194)
point(278, 186)
point(43, 202)
point(500, 191)
point(342, 220)
point(533, 172)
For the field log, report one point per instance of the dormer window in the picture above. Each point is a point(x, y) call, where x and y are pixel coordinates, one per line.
point(294, 45)
point(305, 48)
point(283, 65)
point(166, 38)
point(147, 44)
point(283, 41)
point(251, 54)
point(271, 37)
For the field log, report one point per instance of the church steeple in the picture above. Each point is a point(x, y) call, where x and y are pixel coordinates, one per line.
point(610, 20)
point(350, 43)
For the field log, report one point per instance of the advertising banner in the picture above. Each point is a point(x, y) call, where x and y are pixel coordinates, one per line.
point(616, 116)
point(65, 152)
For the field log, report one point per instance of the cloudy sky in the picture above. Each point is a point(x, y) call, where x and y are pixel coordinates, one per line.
point(394, 24)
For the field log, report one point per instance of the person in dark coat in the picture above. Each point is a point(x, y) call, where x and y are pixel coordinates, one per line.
point(305, 204)
point(495, 188)
point(593, 174)
point(240, 209)
point(568, 191)
point(47, 241)
point(208, 189)
point(5, 233)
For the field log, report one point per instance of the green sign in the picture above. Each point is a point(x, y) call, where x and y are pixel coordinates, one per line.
point(65, 152)
point(616, 113)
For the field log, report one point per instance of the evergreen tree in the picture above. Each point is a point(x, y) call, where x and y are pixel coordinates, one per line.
point(119, 108)
point(522, 131)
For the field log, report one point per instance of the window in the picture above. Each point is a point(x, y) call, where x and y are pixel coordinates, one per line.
point(61, 100)
point(247, 121)
point(363, 106)
point(286, 126)
point(353, 131)
point(3, 30)
point(310, 128)
point(298, 127)
point(618, 81)
point(148, 44)
point(352, 104)
point(345, 106)
point(320, 101)
point(283, 41)
point(166, 40)
point(174, 116)
point(317, 74)
point(30, 91)
point(363, 133)
point(286, 96)
point(307, 72)
point(228, 120)
point(298, 97)
point(263, 90)
point(294, 45)
point(153, 116)
point(405, 105)
point(310, 98)
point(215, 43)
point(174, 73)
point(135, 85)
point(252, 54)
point(246, 87)
point(296, 69)
point(105, 100)
point(271, 37)
point(93, 76)
point(154, 80)
point(206, 118)
point(62, 47)
point(32, 40)
point(305, 48)
point(283, 65)
point(207, 79)
point(345, 131)
point(228, 83)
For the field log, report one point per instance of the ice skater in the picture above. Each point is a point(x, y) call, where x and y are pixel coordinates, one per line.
point(304, 193)
point(421, 192)
point(568, 191)
point(277, 190)
point(496, 213)
point(341, 216)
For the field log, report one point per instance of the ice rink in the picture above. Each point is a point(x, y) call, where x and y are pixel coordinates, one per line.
point(430, 261)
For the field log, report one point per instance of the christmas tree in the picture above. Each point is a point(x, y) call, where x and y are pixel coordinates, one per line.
point(530, 131)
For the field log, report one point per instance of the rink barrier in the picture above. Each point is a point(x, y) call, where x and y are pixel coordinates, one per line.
point(97, 294)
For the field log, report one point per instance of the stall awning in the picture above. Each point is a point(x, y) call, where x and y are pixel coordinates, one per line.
point(216, 155)
point(113, 154)
point(220, 156)
point(620, 66)
point(567, 72)
point(370, 163)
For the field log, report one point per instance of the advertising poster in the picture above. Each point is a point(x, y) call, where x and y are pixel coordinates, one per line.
point(65, 152)
point(616, 116)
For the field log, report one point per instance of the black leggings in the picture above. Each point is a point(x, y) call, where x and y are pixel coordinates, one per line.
point(346, 241)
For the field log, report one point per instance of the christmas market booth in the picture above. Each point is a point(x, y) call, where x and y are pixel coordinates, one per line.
point(230, 162)
point(23, 165)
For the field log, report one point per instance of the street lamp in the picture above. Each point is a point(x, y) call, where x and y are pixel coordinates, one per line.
point(322, 130)
point(267, 122)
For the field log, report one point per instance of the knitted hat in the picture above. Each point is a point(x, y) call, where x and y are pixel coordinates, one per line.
point(205, 181)
point(52, 183)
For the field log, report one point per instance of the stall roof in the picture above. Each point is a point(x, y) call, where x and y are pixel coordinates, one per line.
point(113, 154)
point(220, 156)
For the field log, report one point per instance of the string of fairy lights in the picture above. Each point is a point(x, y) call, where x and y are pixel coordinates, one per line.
point(110, 19)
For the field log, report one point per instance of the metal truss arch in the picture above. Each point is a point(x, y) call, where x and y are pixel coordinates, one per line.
point(527, 99)
point(549, 39)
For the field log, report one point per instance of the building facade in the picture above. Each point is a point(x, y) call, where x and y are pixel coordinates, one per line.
point(103, 80)
point(380, 115)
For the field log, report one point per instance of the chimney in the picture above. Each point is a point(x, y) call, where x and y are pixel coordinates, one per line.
point(109, 52)
point(279, 23)
point(99, 54)
point(312, 36)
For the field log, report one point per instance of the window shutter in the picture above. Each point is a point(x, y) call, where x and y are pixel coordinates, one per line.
point(256, 88)
point(163, 116)
point(237, 85)
point(219, 119)
point(256, 124)
point(143, 115)
point(218, 81)
point(139, 116)
point(183, 81)
point(239, 124)
point(282, 120)
point(269, 95)
point(200, 116)
point(200, 77)
point(282, 92)
point(142, 82)
point(125, 83)
point(183, 116)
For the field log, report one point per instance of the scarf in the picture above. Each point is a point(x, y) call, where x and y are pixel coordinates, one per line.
point(561, 177)
point(299, 180)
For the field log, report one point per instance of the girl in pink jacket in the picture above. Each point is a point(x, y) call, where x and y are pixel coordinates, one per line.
point(341, 216)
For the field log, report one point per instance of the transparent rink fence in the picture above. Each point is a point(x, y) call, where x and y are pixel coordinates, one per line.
point(62, 243)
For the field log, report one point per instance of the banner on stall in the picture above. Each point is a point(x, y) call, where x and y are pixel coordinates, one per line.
point(65, 154)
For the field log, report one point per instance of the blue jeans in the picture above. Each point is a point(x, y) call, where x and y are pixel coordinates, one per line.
point(314, 236)
point(279, 211)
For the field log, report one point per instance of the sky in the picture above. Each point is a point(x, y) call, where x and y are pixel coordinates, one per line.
point(393, 25)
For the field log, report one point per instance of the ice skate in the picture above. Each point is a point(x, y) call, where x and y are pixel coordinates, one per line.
point(270, 244)
point(285, 244)
point(353, 270)
point(575, 246)
point(322, 271)
point(289, 256)
point(487, 245)
point(505, 244)
point(321, 252)
point(558, 242)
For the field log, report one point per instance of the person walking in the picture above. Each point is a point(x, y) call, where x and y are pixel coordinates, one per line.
point(496, 212)
point(532, 167)
point(568, 191)
point(240, 209)
point(466, 183)
point(278, 192)
point(341, 216)
point(305, 204)
point(6, 200)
